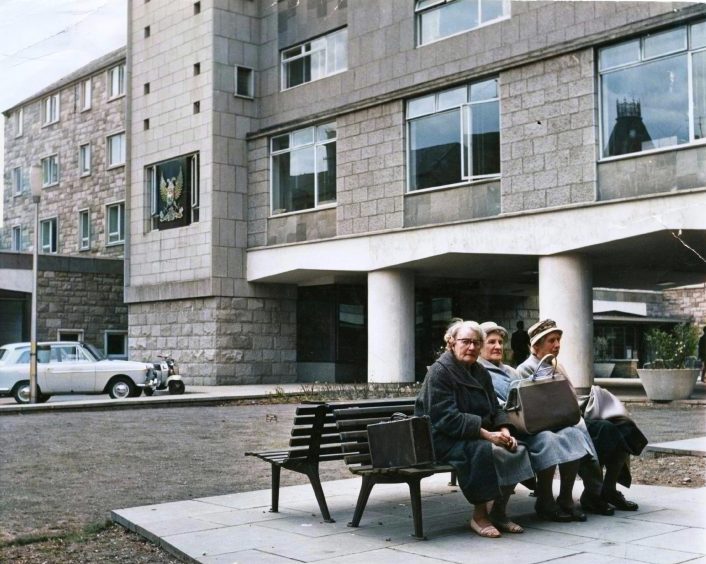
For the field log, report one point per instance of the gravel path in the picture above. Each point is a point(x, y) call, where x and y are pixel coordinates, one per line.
point(62, 471)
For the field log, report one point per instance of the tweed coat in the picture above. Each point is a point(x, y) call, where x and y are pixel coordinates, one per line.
point(460, 401)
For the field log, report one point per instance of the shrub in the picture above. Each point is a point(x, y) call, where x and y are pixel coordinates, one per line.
point(670, 350)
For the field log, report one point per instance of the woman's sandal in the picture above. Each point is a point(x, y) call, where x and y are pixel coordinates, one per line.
point(488, 532)
point(507, 526)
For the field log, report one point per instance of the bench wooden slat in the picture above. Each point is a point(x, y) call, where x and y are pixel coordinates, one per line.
point(325, 440)
point(306, 431)
point(376, 411)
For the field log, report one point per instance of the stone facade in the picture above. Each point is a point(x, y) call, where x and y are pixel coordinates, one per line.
point(73, 192)
point(689, 301)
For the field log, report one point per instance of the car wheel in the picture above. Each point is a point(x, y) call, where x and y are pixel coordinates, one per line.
point(121, 387)
point(176, 387)
point(149, 391)
point(21, 392)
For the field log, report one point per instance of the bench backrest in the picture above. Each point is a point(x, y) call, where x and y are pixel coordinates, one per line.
point(314, 436)
point(352, 423)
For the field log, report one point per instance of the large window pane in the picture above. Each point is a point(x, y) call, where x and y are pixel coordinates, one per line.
point(435, 150)
point(448, 19)
point(646, 106)
point(485, 142)
point(293, 188)
point(326, 172)
point(699, 80)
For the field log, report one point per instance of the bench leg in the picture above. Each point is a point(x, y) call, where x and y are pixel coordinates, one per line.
point(416, 496)
point(319, 492)
point(275, 489)
point(452, 479)
point(365, 488)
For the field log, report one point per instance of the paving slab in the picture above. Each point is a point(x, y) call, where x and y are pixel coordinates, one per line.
point(669, 528)
point(686, 447)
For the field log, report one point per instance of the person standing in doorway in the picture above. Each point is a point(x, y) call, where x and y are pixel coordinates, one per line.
point(520, 344)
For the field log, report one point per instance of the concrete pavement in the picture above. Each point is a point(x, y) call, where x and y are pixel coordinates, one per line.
point(238, 528)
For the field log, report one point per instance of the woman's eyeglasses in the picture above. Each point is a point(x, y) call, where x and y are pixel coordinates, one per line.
point(469, 342)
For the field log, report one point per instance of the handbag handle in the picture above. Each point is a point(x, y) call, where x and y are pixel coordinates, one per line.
point(548, 361)
point(398, 416)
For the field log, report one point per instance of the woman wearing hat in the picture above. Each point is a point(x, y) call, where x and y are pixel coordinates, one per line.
point(469, 431)
point(547, 449)
point(614, 440)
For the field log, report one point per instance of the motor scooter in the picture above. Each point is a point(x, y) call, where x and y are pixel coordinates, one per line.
point(167, 376)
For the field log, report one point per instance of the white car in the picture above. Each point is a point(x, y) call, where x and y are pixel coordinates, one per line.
point(67, 367)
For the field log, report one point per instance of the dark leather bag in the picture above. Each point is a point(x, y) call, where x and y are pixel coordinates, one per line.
point(401, 442)
point(546, 401)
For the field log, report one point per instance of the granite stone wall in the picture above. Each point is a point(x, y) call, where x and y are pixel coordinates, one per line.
point(687, 302)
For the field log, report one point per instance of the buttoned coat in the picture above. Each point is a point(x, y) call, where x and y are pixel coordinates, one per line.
point(460, 401)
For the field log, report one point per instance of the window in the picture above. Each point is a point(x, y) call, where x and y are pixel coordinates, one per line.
point(84, 92)
point(116, 81)
point(147, 31)
point(84, 159)
point(48, 235)
point(50, 171)
point(50, 106)
point(197, 69)
point(197, 8)
point(304, 169)
point(69, 335)
point(146, 88)
point(437, 19)
point(244, 82)
point(17, 181)
point(84, 230)
point(17, 238)
point(115, 214)
point(454, 136)
point(19, 122)
point(115, 344)
point(316, 59)
point(653, 91)
point(116, 150)
point(174, 191)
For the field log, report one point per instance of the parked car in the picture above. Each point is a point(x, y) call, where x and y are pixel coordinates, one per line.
point(67, 367)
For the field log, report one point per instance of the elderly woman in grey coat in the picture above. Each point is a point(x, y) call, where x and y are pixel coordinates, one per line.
point(469, 431)
point(548, 449)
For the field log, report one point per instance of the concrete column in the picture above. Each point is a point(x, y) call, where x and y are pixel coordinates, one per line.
point(390, 326)
point(566, 296)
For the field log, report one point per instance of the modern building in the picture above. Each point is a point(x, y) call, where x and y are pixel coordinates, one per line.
point(316, 187)
point(73, 132)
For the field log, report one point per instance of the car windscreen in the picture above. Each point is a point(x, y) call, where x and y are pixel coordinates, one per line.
point(94, 351)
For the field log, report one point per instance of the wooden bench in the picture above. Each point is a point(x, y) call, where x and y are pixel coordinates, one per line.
point(314, 439)
point(352, 423)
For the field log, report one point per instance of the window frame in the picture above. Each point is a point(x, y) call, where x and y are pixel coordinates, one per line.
point(109, 149)
point(643, 59)
point(51, 109)
point(84, 170)
point(85, 90)
point(60, 335)
point(314, 143)
point(16, 179)
point(437, 5)
point(251, 82)
point(304, 52)
point(463, 109)
point(84, 239)
point(19, 122)
point(112, 332)
point(47, 183)
point(120, 69)
point(53, 245)
point(16, 240)
point(120, 205)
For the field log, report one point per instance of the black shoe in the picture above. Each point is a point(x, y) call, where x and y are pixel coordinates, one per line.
point(575, 512)
point(617, 499)
point(593, 503)
point(552, 512)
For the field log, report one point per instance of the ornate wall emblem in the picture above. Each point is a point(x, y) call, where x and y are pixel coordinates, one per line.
point(170, 190)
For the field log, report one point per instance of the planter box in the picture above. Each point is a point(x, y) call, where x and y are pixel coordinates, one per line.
point(667, 384)
point(603, 369)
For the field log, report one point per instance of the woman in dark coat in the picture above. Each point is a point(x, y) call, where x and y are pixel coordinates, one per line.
point(469, 431)
point(614, 439)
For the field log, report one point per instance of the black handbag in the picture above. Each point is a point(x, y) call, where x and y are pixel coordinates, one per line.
point(544, 402)
point(401, 442)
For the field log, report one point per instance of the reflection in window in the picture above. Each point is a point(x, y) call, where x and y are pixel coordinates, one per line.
point(315, 59)
point(454, 136)
point(437, 19)
point(116, 223)
point(48, 235)
point(645, 91)
point(304, 169)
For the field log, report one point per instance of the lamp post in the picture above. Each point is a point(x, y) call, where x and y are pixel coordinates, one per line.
point(35, 181)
